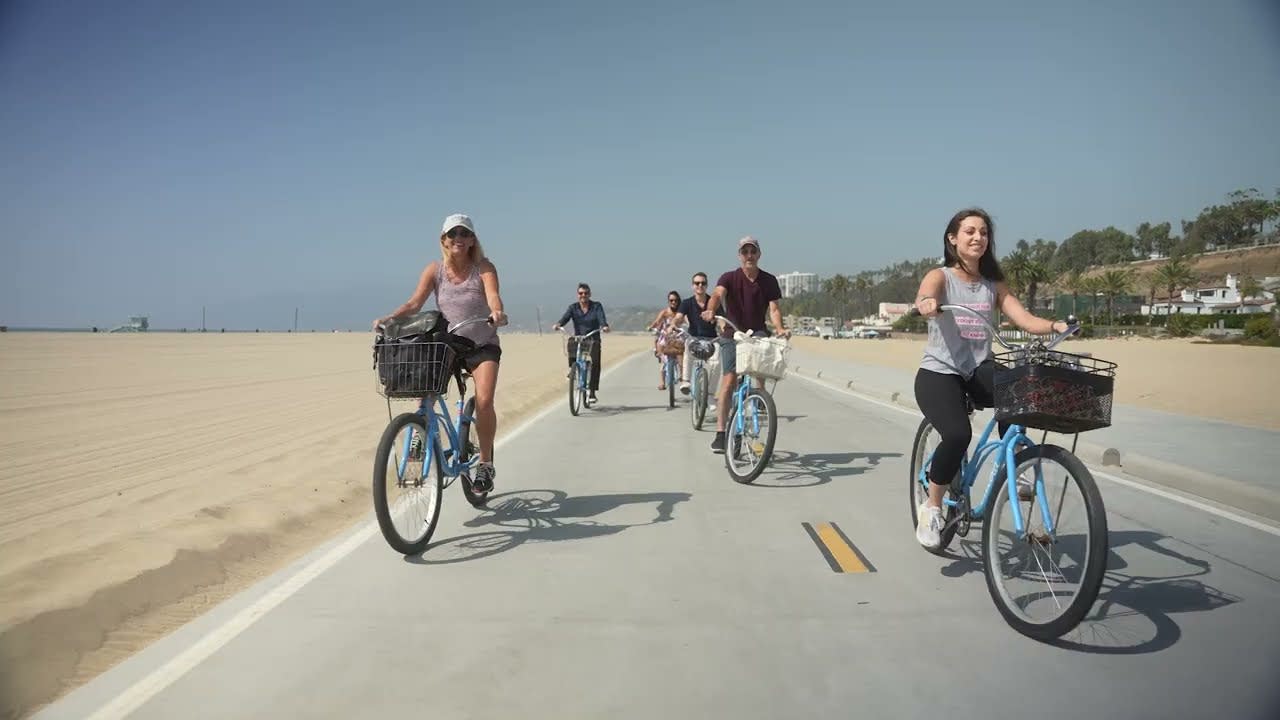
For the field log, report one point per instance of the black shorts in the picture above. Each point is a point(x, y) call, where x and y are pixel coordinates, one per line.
point(484, 353)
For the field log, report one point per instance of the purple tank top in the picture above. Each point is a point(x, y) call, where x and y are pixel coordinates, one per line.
point(464, 301)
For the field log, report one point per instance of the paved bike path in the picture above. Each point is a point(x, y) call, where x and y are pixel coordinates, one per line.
point(619, 572)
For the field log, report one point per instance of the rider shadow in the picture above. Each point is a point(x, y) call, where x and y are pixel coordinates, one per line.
point(612, 410)
point(514, 518)
point(1133, 613)
point(813, 469)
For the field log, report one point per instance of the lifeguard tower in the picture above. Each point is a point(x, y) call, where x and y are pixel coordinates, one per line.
point(137, 323)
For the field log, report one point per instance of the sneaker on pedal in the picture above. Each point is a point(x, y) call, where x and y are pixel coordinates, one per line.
point(717, 445)
point(415, 448)
point(483, 482)
point(929, 525)
point(684, 388)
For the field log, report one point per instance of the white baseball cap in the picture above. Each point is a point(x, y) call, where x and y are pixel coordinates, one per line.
point(748, 240)
point(457, 220)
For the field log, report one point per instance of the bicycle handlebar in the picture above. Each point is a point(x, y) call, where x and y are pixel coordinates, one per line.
point(1073, 326)
point(580, 337)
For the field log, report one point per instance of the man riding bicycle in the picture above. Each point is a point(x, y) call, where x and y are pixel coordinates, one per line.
point(690, 311)
point(587, 316)
point(747, 294)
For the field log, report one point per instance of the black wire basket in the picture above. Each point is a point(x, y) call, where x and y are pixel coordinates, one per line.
point(413, 368)
point(1055, 391)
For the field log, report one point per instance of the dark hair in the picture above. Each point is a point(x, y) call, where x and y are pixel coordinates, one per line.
point(988, 267)
point(673, 292)
point(695, 276)
point(584, 286)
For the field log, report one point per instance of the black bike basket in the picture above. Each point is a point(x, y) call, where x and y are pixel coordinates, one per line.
point(1055, 391)
point(702, 348)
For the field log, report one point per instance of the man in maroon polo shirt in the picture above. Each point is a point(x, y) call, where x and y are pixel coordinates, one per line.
point(746, 294)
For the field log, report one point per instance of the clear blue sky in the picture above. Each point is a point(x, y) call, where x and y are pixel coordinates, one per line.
point(249, 156)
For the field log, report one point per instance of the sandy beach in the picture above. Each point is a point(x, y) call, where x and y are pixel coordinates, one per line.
point(146, 477)
point(1233, 383)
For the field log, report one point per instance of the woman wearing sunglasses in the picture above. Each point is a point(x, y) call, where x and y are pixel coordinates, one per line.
point(665, 323)
point(465, 284)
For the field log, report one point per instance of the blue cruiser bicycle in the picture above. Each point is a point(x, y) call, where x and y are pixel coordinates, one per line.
point(580, 371)
point(422, 452)
point(1044, 535)
point(751, 426)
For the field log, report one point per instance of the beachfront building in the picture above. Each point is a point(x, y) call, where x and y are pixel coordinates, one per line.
point(1219, 299)
point(798, 283)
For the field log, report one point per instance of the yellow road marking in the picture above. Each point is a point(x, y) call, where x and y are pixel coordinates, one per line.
point(837, 549)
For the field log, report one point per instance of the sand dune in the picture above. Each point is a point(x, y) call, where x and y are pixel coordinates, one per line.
point(146, 477)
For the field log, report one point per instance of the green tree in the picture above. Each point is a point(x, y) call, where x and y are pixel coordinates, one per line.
point(1249, 287)
point(1174, 274)
point(1113, 283)
point(1090, 287)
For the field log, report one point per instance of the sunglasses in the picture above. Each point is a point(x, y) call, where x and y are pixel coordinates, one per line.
point(583, 294)
point(459, 232)
point(699, 282)
point(673, 301)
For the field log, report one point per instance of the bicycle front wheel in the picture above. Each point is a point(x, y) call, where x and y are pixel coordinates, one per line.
point(669, 374)
point(1045, 579)
point(575, 397)
point(407, 485)
point(470, 446)
point(748, 449)
point(698, 397)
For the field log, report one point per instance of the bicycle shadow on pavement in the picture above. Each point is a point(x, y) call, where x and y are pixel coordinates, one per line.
point(1133, 612)
point(792, 470)
point(611, 410)
point(514, 518)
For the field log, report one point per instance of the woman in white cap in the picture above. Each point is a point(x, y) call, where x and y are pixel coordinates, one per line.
point(465, 284)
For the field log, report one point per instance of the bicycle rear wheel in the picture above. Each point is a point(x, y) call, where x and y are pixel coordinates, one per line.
point(698, 397)
point(407, 487)
point(470, 446)
point(927, 439)
point(748, 451)
point(575, 397)
point(1043, 582)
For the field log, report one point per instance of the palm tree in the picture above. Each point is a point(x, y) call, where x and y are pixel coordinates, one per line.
point(1090, 287)
point(1111, 284)
point(1035, 273)
point(1015, 271)
point(1153, 283)
point(1070, 282)
point(1174, 274)
point(838, 287)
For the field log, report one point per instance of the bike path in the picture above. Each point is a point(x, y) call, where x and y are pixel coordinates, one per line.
point(619, 572)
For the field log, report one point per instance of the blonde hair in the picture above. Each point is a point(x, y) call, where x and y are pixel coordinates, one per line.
point(476, 254)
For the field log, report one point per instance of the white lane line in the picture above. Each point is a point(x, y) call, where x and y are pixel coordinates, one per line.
point(1176, 497)
point(1227, 514)
point(162, 677)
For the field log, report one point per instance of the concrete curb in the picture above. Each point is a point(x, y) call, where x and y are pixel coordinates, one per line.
point(1233, 494)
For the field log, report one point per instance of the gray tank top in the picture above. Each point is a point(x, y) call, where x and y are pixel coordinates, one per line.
point(959, 343)
point(464, 301)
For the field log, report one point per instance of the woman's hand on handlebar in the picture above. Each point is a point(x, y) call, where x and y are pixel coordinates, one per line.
point(498, 318)
point(927, 307)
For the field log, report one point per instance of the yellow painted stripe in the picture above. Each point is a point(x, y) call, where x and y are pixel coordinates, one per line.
point(845, 556)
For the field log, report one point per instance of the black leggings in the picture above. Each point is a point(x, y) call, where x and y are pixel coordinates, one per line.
point(941, 399)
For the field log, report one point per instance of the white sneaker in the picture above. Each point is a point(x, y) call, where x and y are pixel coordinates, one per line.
point(929, 525)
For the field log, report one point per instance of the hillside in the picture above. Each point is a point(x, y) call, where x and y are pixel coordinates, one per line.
point(1211, 268)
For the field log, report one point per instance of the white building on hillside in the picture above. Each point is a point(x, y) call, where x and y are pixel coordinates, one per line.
point(796, 283)
point(1223, 299)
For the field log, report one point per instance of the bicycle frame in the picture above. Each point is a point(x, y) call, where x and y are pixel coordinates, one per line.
point(583, 360)
point(1014, 439)
point(435, 413)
